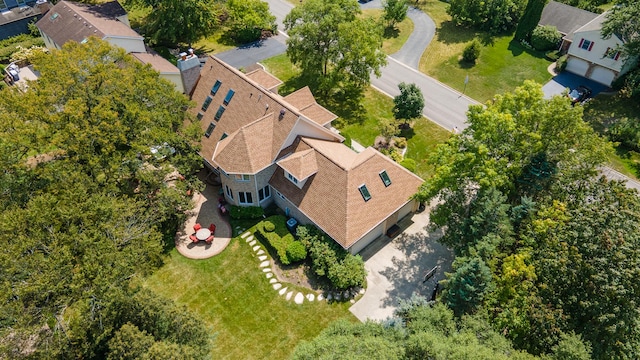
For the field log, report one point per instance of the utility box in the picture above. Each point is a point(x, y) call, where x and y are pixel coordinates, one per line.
point(292, 224)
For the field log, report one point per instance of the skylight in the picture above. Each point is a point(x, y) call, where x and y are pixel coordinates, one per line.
point(210, 129)
point(224, 135)
point(205, 104)
point(385, 178)
point(228, 97)
point(364, 192)
point(215, 87)
point(219, 113)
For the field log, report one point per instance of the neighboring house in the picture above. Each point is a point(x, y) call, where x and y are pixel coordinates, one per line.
point(589, 55)
point(596, 58)
point(71, 21)
point(15, 15)
point(268, 148)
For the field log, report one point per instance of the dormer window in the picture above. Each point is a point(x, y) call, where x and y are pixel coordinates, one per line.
point(206, 103)
point(292, 178)
point(215, 87)
point(219, 113)
point(364, 192)
point(228, 97)
point(385, 178)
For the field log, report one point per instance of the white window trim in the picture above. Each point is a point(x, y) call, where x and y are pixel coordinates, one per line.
point(241, 177)
point(229, 192)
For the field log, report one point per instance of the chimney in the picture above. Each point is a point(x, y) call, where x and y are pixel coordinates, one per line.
point(183, 56)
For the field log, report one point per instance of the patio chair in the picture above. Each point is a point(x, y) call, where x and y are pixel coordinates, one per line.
point(209, 239)
point(197, 227)
point(193, 238)
point(212, 228)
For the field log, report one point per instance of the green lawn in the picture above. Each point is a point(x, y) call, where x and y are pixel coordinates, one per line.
point(231, 293)
point(502, 65)
point(362, 126)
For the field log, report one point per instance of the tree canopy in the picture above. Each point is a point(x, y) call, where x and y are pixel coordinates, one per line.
point(518, 189)
point(530, 19)
point(409, 104)
point(395, 11)
point(86, 210)
point(494, 16)
point(335, 47)
point(622, 21)
point(248, 18)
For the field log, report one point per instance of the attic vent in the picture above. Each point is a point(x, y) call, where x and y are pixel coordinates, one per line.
point(364, 192)
point(282, 112)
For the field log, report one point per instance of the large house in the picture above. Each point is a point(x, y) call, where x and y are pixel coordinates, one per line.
point(268, 148)
point(589, 54)
point(71, 21)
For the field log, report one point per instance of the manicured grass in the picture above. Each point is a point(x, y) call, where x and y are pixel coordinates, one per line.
point(362, 126)
point(393, 38)
point(231, 293)
point(502, 65)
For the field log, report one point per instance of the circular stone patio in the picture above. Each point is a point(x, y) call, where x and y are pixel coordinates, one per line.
point(204, 212)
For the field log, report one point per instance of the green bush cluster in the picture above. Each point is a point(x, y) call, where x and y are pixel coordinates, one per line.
point(561, 64)
point(545, 38)
point(246, 212)
point(409, 164)
point(10, 45)
point(331, 261)
point(273, 231)
point(401, 142)
point(471, 52)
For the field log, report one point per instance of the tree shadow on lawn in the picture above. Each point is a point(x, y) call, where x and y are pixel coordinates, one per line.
point(450, 33)
point(407, 132)
point(391, 32)
point(518, 49)
point(422, 252)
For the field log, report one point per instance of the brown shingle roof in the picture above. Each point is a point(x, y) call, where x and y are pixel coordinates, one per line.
point(249, 103)
point(304, 100)
point(565, 18)
point(301, 164)
point(157, 62)
point(331, 199)
point(76, 22)
point(246, 151)
point(264, 79)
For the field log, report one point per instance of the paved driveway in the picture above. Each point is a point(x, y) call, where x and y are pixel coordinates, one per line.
point(396, 268)
point(568, 80)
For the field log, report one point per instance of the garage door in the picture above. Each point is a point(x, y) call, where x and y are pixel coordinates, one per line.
point(367, 239)
point(405, 210)
point(577, 66)
point(603, 75)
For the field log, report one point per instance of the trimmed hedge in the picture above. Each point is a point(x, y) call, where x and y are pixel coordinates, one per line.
point(246, 212)
point(10, 45)
point(296, 252)
point(279, 239)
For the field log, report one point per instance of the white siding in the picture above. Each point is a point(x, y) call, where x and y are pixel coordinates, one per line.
point(175, 78)
point(602, 75)
point(367, 239)
point(406, 210)
point(577, 66)
point(597, 54)
point(128, 44)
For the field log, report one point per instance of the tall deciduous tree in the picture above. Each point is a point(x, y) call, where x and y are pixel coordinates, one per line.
point(529, 19)
point(494, 16)
point(395, 11)
point(333, 46)
point(180, 21)
point(248, 19)
point(622, 21)
point(409, 104)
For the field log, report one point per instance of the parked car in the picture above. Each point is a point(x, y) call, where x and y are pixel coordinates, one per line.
point(579, 94)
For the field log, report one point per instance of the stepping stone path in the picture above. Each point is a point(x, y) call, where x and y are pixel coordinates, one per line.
point(300, 297)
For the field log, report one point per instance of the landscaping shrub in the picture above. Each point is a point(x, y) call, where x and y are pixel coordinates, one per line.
point(472, 51)
point(278, 239)
point(561, 64)
point(10, 45)
point(545, 38)
point(246, 212)
point(401, 142)
point(331, 261)
point(553, 55)
point(296, 252)
point(269, 226)
point(627, 132)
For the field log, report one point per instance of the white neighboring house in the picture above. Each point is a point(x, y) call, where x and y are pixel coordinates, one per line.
point(596, 58)
point(71, 21)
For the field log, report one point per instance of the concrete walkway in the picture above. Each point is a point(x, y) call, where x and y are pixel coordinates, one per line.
point(205, 212)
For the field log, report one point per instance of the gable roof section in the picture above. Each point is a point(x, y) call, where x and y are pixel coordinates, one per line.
point(77, 21)
point(250, 102)
point(567, 19)
point(246, 151)
point(301, 164)
point(264, 79)
point(303, 100)
point(331, 199)
point(157, 62)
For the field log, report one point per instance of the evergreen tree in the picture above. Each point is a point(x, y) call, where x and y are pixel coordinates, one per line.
point(529, 19)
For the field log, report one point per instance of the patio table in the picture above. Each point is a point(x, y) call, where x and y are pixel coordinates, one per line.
point(203, 234)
